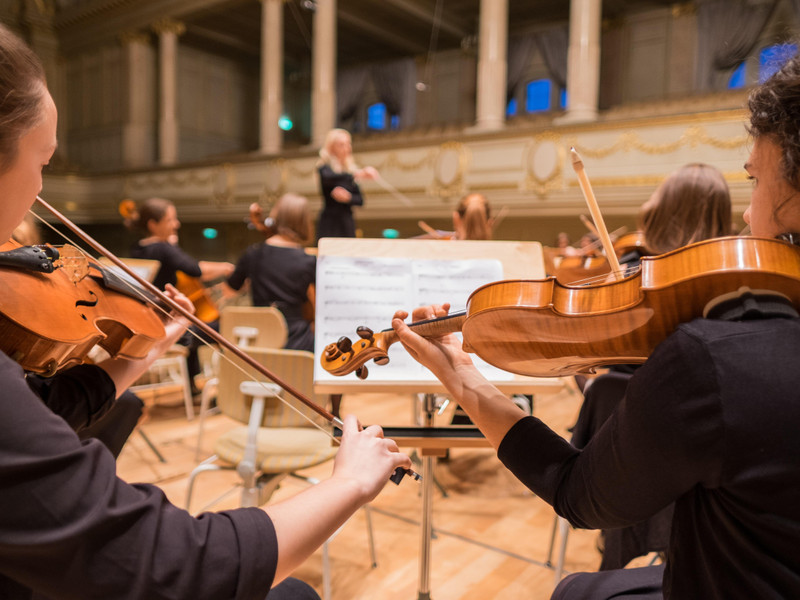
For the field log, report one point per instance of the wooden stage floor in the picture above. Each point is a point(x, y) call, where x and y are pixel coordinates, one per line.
point(491, 535)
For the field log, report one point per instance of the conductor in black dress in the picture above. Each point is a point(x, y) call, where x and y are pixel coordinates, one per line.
point(338, 176)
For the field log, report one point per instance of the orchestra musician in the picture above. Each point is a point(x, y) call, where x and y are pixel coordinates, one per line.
point(709, 422)
point(472, 218)
point(70, 527)
point(279, 271)
point(338, 180)
point(157, 220)
point(281, 274)
point(692, 204)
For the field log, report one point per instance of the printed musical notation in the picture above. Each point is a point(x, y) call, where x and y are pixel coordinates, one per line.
point(354, 291)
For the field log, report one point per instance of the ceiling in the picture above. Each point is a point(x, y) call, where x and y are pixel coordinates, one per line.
point(368, 30)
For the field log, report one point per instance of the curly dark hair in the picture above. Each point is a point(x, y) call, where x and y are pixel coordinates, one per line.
point(775, 114)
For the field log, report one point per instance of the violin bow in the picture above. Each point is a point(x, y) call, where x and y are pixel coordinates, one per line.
point(597, 217)
point(211, 333)
point(393, 190)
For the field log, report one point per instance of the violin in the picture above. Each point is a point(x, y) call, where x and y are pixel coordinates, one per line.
point(544, 328)
point(629, 242)
point(79, 304)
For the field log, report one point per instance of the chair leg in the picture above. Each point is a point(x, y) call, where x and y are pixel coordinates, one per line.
point(206, 465)
point(563, 527)
point(326, 572)
point(370, 537)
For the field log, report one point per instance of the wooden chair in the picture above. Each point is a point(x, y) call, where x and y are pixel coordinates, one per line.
point(269, 323)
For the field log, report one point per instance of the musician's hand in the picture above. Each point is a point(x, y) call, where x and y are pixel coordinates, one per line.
point(442, 355)
point(341, 195)
point(366, 458)
point(171, 292)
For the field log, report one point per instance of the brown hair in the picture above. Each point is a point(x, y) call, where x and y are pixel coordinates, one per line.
point(22, 89)
point(475, 216)
point(152, 209)
point(292, 218)
point(691, 205)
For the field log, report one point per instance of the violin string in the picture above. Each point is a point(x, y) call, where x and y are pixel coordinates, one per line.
point(169, 315)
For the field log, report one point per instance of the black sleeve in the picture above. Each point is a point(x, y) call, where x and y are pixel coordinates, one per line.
point(662, 440)
point(242, 270)
point(177, 260)
point(79, 395)
point(71, 529)
point(329, 179)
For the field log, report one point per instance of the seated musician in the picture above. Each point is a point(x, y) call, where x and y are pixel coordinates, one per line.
point(156, 219)
point(70, 528)
point(709, 422)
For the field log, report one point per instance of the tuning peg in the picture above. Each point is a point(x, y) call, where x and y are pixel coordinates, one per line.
point(365, 333)
point(344, 344)
point(362, 372)
point(382, 360)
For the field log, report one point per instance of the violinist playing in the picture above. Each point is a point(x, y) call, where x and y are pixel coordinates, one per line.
point(70, 528)
point(709, 422)
point(157, 220)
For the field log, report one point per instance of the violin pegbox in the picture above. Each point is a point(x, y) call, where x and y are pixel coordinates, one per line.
point(346, 356)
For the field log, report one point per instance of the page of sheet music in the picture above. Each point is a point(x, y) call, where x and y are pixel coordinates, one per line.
point(354, 291)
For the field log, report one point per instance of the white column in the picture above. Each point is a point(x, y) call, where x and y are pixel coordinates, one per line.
point(323, 77)
point(168, 31)
point(270, 135)
point(138, 135)
point(583, 60)
point(492, 65)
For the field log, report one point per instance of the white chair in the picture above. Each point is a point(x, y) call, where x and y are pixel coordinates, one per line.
point(168, 371)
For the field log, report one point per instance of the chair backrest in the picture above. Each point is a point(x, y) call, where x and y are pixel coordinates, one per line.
point(295, 367)
point(269, 321)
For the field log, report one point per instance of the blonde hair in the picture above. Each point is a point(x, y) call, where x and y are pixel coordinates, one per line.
point(691, 205)
point(292, 218)
point(326, 158)
point(475, 214)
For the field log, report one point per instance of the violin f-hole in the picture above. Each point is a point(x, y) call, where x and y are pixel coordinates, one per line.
point(90, 303)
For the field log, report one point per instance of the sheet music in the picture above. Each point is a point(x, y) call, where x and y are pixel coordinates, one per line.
point(354, 291)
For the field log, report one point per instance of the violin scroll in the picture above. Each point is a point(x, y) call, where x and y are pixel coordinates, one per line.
point(346, 356)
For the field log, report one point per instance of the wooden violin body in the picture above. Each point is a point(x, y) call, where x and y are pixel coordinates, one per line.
point(193, 288)
point(545, 328)
point(48, 322)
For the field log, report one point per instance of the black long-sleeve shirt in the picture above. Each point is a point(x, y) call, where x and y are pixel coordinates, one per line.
point(711, 421)
point(172, 260)
point(71, 529)
point(336, 218)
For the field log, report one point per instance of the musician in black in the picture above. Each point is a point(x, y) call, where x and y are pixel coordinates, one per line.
point(709, 422)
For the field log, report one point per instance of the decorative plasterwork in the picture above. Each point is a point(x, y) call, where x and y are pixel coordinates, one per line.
point(448, 171)
point(543, 164)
